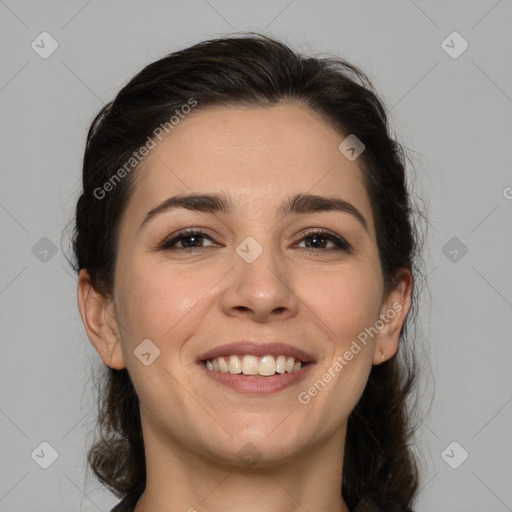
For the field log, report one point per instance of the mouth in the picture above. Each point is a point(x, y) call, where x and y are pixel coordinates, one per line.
point(256, 368)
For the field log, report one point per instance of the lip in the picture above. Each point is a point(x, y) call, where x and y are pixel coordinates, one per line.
point(254, 384)
point(243, 348)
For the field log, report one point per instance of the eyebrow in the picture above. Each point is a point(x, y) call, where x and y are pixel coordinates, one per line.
point(221, 203)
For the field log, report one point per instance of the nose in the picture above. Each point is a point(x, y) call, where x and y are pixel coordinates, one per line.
point(261, 290)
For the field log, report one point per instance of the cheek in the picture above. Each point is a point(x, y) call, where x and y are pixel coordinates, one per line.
point(154, 300)
point(347, 301)
point(160, 305)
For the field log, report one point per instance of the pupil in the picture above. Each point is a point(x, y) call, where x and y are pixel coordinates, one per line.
point(193, 237)
point(315, 238)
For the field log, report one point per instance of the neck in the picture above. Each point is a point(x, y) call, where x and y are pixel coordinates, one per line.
point(179, 480)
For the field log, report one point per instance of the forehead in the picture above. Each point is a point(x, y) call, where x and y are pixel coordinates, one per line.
point(257, 155)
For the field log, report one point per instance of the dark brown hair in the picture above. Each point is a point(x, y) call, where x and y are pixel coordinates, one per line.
point(254, 70)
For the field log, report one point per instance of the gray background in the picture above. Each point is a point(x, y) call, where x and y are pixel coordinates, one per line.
point(454, 114)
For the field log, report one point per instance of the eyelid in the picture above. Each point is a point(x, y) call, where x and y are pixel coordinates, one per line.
point(169, 241)
point(330, 235)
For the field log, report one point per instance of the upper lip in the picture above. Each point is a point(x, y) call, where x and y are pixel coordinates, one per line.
point(242, 348)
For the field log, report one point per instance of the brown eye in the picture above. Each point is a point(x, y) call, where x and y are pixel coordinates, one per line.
point(192, 239)
point(319, 239)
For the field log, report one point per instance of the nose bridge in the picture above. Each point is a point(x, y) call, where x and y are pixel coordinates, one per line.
point(259, 258)
point(261, 234)
point(260, 277)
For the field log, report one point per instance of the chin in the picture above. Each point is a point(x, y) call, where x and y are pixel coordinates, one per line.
point(256, 447)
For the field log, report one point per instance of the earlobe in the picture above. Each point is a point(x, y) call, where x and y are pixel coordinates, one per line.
point(99, 321)
point(395, 308)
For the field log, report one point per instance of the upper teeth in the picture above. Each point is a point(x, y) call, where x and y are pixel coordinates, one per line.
point(252, 365)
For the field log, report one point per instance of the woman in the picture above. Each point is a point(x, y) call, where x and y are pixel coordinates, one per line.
point(246, 257)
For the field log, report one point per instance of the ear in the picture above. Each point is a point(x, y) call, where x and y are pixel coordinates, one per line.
point(99, 319)
point(395, 307)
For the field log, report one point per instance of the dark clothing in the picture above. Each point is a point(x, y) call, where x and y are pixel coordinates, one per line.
point(370, 503)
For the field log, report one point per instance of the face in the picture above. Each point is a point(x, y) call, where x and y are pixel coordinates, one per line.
point(308, 277)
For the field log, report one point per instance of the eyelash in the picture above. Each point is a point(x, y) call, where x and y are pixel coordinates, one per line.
point(168, 243)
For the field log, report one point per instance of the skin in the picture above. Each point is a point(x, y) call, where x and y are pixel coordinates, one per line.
point(185, 303)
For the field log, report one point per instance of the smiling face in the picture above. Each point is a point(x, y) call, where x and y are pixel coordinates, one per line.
point(262, 269)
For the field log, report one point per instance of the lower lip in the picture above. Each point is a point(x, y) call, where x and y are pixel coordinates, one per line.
point(256, 384)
